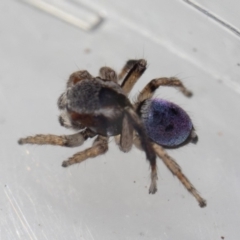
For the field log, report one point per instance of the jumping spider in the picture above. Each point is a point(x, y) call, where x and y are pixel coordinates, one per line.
point(100, 106)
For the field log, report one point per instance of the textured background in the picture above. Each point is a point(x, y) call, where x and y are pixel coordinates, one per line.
point(106, 198)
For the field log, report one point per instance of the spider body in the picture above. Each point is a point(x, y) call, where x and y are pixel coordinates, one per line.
point(166, 123)
point(99, 106)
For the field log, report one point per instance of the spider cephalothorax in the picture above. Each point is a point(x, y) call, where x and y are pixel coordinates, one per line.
point(100, 106)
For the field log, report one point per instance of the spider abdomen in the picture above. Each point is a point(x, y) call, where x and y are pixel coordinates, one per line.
point(166, 123)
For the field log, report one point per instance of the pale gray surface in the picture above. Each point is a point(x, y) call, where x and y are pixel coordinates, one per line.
point(225, 10)
point(106, 198)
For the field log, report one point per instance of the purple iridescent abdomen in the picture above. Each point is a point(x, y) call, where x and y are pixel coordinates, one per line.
point(166, 123)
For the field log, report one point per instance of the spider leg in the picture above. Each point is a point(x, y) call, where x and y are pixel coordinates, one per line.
point(129, 64)
point(150, 88)
point(73, 140)
point(100, 146)
point(146, 146)
point(108, 74)
point(176, 170)
point(126, 137)
point(135, 70)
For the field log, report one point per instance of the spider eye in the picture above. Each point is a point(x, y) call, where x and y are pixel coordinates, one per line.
point(166, 123)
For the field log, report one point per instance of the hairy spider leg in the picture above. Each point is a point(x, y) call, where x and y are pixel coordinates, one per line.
point(126, 137)
point(135, 69)
point(72, 140)
point(126, 68)
point(146, 146)
point(135, 72)
point(100, 146)
point(154, 84)
point(108, 73)
point(174, 168)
